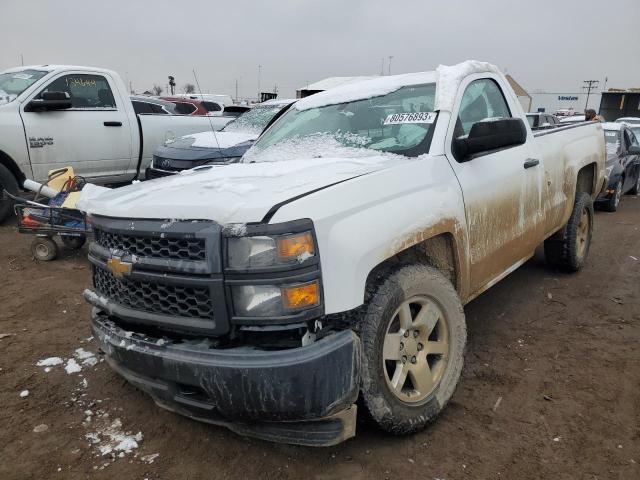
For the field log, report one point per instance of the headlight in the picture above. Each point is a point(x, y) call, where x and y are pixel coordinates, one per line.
point(269, 251)
point(273, 300)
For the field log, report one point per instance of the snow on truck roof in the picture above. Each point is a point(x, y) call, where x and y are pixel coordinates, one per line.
point(447, 79)
point(51, 68)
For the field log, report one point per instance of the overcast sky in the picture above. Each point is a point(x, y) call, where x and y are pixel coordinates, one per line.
point(545, 44)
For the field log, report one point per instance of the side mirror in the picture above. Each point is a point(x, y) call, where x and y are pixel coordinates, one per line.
point(634, 149)
point(489, 135)
point(49, 101)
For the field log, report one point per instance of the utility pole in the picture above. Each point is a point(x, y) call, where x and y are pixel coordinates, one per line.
point(589, 85)
point(22, 60)
point(259, 73)
point(390, 57)
point(382, 68)
point(236, 89)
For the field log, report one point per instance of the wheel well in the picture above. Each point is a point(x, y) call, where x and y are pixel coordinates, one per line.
point(438, 251)
point(586, 179)
point(13, 167)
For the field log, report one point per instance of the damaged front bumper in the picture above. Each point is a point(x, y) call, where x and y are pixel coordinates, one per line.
point(302, 395)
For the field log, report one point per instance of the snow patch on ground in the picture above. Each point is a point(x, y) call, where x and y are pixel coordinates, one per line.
point(24, 393)
point(110, 438)
point(50, 362)
point(72, 366)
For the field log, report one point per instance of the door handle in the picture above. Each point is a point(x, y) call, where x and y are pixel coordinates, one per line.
point(531, 162)
point(112, 124)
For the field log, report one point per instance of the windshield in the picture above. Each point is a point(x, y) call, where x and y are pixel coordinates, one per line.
point(532, 120)
point(397, 123)
point(254, 120)
point(14, 83)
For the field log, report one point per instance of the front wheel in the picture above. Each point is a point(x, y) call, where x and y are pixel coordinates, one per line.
point(568, 250)
point(614, 201)
point(413, 335)
point(636, 187)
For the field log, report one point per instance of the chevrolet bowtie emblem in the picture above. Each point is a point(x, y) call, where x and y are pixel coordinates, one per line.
point(118, 267)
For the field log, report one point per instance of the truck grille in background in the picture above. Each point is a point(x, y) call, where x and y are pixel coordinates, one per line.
point(182, 301)
point(154, 247)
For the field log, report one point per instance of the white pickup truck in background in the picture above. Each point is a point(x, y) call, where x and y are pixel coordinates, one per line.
point(332, 262)
point(52, 116)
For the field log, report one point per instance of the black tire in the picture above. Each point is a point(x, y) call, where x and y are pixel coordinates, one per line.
point(611, 205)
point(636, 187)
point(385, 407)
point(7, 182)
point(44, 249)
point(568, 250)
point(73, 242)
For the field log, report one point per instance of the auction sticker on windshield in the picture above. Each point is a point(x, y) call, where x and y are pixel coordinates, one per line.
point(415, 117)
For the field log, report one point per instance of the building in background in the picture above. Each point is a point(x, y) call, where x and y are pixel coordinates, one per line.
point(551, 102)
point(523, 97)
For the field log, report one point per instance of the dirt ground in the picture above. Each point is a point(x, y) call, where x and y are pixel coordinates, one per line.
point(551, 386)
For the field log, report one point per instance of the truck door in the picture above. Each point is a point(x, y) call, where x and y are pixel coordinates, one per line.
point(502, 189)
point(94, 136)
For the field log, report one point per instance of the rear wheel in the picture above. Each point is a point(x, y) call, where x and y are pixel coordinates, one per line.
point(413, 335)
point(44, 249)
point(7, 182)
point(568, 249)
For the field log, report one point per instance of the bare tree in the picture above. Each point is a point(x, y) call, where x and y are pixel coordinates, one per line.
point(157, 90)
point(189, 88)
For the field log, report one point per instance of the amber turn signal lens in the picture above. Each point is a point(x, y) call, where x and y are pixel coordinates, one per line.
point(296, 245)
point(301, 296)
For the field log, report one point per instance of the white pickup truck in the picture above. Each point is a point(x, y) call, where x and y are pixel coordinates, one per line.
point(334, 260)
point(52, 116)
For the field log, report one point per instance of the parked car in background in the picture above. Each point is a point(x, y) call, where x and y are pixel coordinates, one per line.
point(235, 110)
point(188, 106)
point(565, 112)
point(623, 165)
point(569, 120)
point(224, 146)
point(143, 105)
point(225, 100)
point(331, 264)
point(542, 121)
point(52, 116)
point(629, 120)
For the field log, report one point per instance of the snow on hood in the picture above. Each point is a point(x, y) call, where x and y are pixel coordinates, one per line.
point(213, 140)
point(237, 193)
point(447, 79)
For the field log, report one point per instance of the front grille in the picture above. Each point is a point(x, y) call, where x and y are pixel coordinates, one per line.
point(155, 247)
point(182, 301)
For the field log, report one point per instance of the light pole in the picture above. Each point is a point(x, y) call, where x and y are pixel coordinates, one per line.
point(259, 72)
point(382, 68)
point(390, 57)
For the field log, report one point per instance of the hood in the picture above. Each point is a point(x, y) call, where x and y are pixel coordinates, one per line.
point(236, 193)
point(211, 141)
